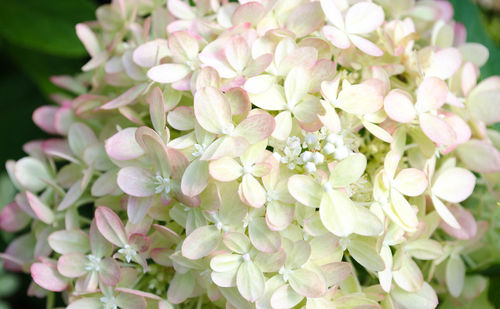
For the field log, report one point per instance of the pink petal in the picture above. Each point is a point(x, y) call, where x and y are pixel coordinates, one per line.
point(168, 72)
point(445, 63)
point(437, 129)
point(460, 127)
point(338, 38)
point(305, 19)
point(212, 110)
point(360, 99)
point(72, 265)
point(183, 45)
point(237, 52)
point(126, 98)
point(137, 208)
point(256, 128)
point(363, 17)
point(468, 225)
point(399, 106)
point(250, 12)
point(366, 46)
point(123, 145)
point(139, 242)
point(454, 184)
point(432, 93)
point(238, 100)
point(109, 273)
point(136, 181)
point(13, 218)
point(44, 117)
point(332, 12)
point(42, 211)
point(110, 226)
point(46, 276)
point(150, 53)
point(88, 38)
point(181, 118)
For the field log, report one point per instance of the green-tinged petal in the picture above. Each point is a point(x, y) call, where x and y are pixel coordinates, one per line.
point(285, 297)
point(425, 298)
point(305, 190)
point(262, 237)
point(455, 275)
point(348, 170)
point(181, 287)
point(250, 281)
point(69, 241)
point(337, 213)
point(201, 242)
point(307, 283)
point(364, 250)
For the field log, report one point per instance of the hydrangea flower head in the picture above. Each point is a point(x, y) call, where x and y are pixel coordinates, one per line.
point(261, 154)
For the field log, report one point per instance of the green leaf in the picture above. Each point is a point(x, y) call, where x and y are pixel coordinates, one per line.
point(47, 26)
point(469, 14)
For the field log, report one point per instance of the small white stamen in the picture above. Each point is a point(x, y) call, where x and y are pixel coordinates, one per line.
point(228, 129)
point(93, 263)
point(128, 252)
point(246, 257)
point(199, 150)
point(310, 167)
point(163, 184)
point(109, 302)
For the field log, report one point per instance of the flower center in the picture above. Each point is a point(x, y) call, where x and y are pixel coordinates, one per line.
point(93, 263)
point(163, 184)
point(228, 129)
point(199, 150)
point(285, 273)
point(271, 195)
point(128, 252)
point(109, 302)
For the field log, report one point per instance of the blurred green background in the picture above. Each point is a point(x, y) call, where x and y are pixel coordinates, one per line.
point(37, 40)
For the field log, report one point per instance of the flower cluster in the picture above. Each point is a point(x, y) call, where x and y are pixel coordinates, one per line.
point(261, 154)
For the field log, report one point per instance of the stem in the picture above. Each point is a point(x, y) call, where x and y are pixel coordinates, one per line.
point(50, 300)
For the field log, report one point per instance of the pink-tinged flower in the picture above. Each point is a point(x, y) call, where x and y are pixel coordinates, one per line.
point(297, 278)
point(292, 99)
point(184, 48)
point(238, 267)
point(76, 262)
point(213, 112)
point(252, 167)
point(93, 46)
point(390, 188)
point(338, 212)
point(362, 100)
point(132, 245)
point(348, 28)
point(233, 59)
point(451, 184)
point(279, 208)
point(431, 95)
